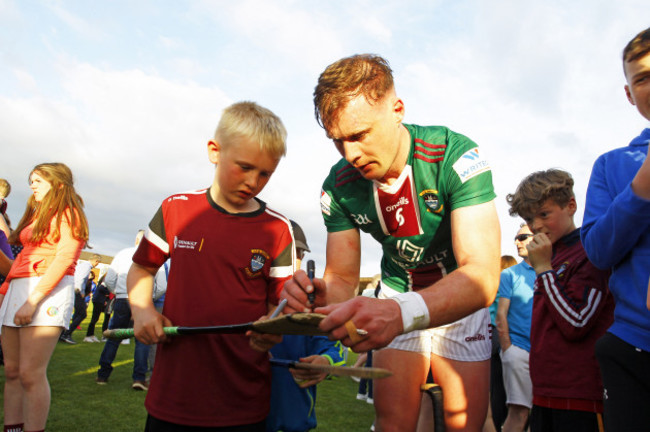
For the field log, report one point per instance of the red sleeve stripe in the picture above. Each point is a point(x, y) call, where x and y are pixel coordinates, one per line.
point(577, 318)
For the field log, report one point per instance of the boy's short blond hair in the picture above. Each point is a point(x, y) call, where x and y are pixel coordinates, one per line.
point(537, 188)
point(254, 122)
point(5, 188)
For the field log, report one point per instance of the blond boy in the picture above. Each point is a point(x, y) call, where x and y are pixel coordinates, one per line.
point(231, 255)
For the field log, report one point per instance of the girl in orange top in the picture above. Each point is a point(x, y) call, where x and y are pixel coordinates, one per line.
point(38, 294)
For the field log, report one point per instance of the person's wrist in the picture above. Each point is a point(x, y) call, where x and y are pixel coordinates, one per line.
point(415, 313)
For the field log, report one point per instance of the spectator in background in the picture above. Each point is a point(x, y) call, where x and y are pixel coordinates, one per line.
point(81, 274)
point(5, 190)
point(36, 296)
point(116, 282)
point(100, 301)
point(572, 307)
point(497, 409)
point(514, 314)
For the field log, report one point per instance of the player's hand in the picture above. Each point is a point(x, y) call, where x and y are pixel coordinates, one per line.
point(540, 251)
point(307, 378)
point(381, 319)
point(24, 314)
point(296, 290)
point(148, 325)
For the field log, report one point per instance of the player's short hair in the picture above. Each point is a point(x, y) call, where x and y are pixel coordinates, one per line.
point(638, 47)
point(5, 188)
point(537, 188)
point(254, 122)
point(363, 74)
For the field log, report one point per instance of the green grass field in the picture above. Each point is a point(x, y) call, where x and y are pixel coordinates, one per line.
point(80, 405)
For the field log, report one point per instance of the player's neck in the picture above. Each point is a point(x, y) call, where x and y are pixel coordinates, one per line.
point(401, 157)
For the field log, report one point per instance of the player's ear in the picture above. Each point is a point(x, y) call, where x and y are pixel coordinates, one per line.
point(398, 109)
point(213, 151)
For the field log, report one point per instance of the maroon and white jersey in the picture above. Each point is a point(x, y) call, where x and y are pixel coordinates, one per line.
point(225, 269)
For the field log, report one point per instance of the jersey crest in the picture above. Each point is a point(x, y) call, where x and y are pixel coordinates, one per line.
point(258, 259)
point(431, 200)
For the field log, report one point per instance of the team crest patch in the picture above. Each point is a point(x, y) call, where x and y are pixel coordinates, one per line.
point(52, 311)
point(431, 200)
point(258, 259)
point(562, 268)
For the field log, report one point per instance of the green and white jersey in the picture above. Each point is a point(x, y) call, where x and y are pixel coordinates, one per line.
point(412, 217)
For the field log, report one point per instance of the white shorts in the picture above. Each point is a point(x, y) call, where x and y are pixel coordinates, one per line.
point(467, 339)
point(54, 310)
point(516, 376)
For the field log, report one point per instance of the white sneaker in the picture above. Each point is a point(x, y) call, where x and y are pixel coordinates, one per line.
point(89, 339)
point(125, 341)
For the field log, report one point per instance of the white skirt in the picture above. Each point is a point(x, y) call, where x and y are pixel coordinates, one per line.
point(55, 310)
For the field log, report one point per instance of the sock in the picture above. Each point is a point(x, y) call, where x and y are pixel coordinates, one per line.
point(14, 428)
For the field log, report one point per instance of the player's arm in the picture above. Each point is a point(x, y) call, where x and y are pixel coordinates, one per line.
point(502, 323)
point(473, 285)
point(340, 279)
point(476, 240)
point(148, 323)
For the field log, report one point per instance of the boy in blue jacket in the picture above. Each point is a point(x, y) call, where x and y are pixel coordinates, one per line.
point(616, 236)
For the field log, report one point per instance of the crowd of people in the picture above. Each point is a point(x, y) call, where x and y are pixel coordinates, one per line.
point(572, 318)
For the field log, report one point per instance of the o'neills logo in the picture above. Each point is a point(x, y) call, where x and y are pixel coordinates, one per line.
point(475, 338)
point(402, 201)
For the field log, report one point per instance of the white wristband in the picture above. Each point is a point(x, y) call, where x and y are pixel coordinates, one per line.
point(415, 313)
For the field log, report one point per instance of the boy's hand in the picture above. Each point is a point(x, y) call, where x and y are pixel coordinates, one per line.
point(296, 289)
point(307, 378)
point(540, 251)
point(263, 342)
point(148, 325)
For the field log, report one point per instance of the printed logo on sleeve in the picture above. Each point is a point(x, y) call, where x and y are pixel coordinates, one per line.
point(470, 165)
point(325, 202)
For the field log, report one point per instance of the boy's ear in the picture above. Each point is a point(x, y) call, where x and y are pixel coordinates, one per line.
point(573, 206)
point(629, 94)
point(213, 151)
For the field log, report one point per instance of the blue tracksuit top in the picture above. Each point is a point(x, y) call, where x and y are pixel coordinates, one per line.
point(616, 235)
point(292, 408)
